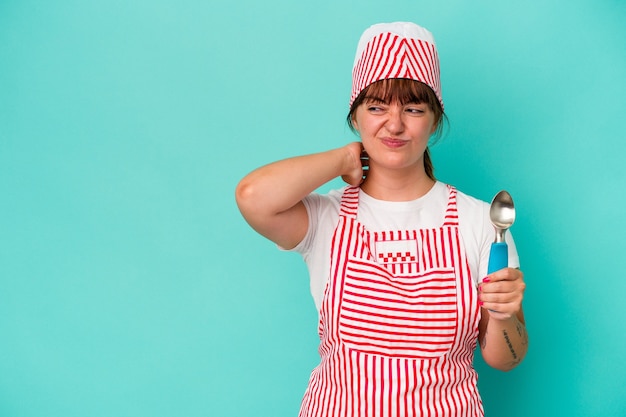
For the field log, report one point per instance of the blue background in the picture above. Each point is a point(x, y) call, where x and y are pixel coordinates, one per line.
point(131, 286)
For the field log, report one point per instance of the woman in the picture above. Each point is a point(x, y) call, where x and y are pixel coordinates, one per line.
point(397, 259)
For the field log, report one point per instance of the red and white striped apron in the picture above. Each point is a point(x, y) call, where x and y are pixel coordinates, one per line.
point(398, 323)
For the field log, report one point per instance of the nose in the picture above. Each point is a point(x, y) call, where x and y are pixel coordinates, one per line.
point(395, 122)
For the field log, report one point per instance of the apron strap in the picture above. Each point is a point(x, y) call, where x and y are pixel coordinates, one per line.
point(349, 202)
point(452, 216)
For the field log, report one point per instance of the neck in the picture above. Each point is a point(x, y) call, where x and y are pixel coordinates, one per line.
point(397, 186)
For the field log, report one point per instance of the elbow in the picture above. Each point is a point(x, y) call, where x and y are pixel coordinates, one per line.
point(506, 367)
point(244, 195)
point(252, 201)
point(505, 364)
point(502, 366)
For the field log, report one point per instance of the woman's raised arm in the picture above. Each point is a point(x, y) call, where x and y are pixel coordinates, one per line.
point(270, 197)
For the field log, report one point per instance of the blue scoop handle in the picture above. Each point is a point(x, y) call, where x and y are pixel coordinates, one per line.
point(498, 257)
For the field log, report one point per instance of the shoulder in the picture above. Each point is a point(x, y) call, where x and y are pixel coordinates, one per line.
point(467, 205)
point(471, 206)
point(474, 222)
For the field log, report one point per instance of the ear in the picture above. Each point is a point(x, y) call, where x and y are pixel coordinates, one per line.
point(434, 128)
point(355, 125)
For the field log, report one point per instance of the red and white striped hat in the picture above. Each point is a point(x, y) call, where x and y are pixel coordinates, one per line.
point(396, 50)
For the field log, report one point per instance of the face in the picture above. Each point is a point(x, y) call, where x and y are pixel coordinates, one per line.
point(394, 135)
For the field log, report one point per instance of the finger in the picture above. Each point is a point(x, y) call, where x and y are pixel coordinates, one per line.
point(504, 274)
point(505, 294)
point(501, 287)
point(501, 297)
point(365, 163)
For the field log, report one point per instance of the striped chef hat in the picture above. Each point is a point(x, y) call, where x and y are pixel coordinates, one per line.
point(396, 50)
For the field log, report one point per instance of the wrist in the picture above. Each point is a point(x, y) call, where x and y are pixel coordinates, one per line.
point(351, 167)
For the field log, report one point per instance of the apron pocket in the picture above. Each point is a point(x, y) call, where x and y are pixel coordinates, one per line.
point(398, 316)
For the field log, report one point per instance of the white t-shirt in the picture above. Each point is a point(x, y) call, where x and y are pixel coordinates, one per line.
point(428, 211)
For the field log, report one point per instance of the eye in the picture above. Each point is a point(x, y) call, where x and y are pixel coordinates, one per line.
point(375, 105)
point(416, 109)
point(377, 108)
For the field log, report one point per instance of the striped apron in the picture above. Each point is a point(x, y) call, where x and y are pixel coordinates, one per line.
point(398, 323)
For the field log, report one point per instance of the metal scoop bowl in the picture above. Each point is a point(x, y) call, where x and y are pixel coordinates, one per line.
point(502, 215)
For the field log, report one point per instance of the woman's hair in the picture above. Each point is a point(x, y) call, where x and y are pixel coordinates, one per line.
point(404, 91)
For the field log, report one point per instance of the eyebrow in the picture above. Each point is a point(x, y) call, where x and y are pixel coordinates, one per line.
point(374, 99)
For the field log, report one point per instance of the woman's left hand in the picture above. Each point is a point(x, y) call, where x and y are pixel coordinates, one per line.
point(502, 292)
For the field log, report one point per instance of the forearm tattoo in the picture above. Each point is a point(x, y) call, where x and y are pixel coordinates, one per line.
point(523, 335)
point(509, 344)
point(521, 331)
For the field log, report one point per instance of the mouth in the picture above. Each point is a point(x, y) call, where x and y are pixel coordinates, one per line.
point(394, 142)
